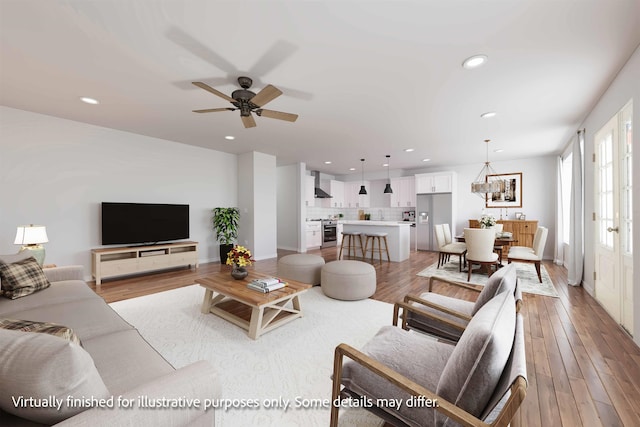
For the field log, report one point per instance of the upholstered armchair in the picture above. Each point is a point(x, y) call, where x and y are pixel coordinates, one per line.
point(446, 247)
point(478, 381)
point(480, 242)
point(532, 255)
point(446, 317)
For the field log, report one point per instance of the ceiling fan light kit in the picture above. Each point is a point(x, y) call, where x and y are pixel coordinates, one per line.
point(248, 102)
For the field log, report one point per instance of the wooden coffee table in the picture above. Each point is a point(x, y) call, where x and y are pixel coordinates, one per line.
point(268, 311)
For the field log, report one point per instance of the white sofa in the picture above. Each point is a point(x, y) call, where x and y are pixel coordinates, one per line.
point(129, 366)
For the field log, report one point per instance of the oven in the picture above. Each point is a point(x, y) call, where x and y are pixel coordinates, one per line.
point(329, 233)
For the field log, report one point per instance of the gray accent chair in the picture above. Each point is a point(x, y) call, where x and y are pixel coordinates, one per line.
point(481, 380)
point(446, 317)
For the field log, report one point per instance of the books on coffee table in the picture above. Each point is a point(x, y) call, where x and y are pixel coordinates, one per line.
point(266, 285)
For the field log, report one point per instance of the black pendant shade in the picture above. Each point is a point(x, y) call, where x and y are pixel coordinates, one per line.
point(387, 188)
point(363, 190)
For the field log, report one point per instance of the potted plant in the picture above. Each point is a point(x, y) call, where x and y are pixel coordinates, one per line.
point(225, 224)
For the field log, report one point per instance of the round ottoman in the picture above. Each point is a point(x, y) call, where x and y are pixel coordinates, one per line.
point(303, 268)
point(348, 280)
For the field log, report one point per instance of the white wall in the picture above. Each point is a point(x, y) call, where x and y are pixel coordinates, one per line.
point(56, 172)
point(290, 206)
point(257, 179)
point(538, 193)
point(626, 86)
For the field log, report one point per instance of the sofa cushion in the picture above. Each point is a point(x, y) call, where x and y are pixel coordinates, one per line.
point(502, 280)
point(476, 364)
point(54, 329)
point(38, 368)
point(58, 293)
point(22, 278)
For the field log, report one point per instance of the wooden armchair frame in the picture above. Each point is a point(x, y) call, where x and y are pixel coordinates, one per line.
point(517, 388)
point(407, 307)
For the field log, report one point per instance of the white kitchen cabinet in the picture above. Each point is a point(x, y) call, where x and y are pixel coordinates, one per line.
point(404, 192)
point(314, 234)
point(309, 192)
point(339, 228)
point(440, 182)
point(352, 198)
point(336, 189)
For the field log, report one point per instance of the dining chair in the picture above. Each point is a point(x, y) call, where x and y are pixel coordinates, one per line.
point(535, 257)
point(448, 248)
point(480, 243)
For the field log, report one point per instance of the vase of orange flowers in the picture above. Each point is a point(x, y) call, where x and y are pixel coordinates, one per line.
point(239, 258)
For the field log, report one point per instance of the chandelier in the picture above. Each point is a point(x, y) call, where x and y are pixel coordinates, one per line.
point(486, 181)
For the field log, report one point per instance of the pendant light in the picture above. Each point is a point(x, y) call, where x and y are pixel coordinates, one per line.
point(387, 188)
point(486, 181)
point(362, 189)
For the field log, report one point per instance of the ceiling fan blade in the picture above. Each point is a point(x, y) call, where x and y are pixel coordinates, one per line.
point(248, 121)
point(277, 115)
point(268, 94)
point(213, 91)
point(213, 110)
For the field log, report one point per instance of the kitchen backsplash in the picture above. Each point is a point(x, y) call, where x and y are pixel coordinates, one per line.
point(387, 214)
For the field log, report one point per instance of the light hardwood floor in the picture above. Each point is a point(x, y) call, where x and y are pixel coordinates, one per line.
point(583, 369)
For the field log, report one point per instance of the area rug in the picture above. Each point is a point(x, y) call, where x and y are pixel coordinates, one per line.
point(526, 273)
point(294, 361)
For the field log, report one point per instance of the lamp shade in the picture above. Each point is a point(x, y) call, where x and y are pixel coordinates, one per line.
point(31, 235)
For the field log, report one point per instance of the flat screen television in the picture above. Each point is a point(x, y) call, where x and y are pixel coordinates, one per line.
point(143, 223)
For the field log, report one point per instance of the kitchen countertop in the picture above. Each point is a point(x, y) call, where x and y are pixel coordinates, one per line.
point(380, 223)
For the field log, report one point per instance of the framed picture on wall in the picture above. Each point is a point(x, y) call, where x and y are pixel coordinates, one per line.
point(511, 194)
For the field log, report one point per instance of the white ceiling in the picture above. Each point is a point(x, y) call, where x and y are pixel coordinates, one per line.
point(367, 78)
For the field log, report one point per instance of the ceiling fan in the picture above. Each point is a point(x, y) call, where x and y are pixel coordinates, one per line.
point(248, 102)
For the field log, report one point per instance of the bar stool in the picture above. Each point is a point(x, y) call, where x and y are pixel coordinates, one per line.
point(354, 241)
point(373, 237)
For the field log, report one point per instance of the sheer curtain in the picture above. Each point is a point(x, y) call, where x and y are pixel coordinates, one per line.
point(575, 262)
point(558, 252)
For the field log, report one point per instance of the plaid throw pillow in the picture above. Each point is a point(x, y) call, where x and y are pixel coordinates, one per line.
point(22, 278)
point(41, 327)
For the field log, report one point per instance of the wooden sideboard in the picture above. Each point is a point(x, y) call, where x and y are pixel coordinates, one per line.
point(523, 231)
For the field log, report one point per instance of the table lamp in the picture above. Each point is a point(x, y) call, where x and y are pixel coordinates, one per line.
point(31, 238)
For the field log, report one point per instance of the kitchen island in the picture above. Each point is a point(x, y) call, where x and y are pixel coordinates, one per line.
point(398, 237)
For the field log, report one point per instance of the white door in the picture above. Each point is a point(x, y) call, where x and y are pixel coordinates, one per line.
point(613, 233)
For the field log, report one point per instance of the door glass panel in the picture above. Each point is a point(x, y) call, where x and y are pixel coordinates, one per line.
point(606, 190)
point(626, 183)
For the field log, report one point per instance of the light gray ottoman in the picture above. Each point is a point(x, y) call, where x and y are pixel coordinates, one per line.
point(348, 280)
point(303, 268)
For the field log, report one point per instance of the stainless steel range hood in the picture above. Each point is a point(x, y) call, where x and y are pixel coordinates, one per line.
point(319, 192)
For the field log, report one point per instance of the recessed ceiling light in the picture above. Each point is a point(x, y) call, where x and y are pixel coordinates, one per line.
point(426, 160)
point(385, 165)
point(328, 162)
point(474, 61)
point(498, 150)
point(88, 100)
point(488, 114)
point(408, 150)
point(352, 169)
point(230, 137)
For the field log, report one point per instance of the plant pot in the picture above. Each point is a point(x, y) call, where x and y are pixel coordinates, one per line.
point(239, 273)
point(224, 250)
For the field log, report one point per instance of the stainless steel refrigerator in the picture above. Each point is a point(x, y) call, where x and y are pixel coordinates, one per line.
point(431, 209)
